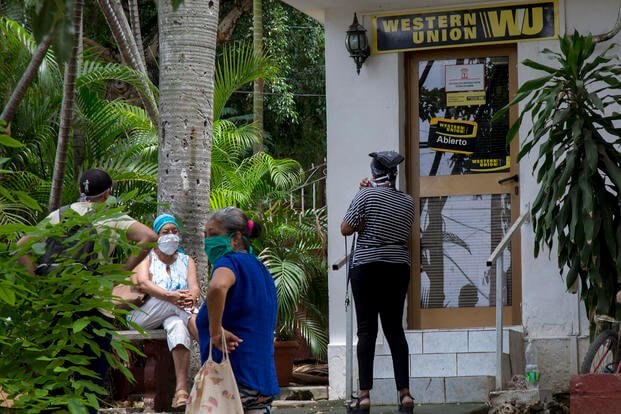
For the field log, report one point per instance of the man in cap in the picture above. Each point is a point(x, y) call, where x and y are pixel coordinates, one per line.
point(95, 187)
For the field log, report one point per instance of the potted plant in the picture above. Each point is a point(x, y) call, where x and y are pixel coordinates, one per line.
point(294, 253)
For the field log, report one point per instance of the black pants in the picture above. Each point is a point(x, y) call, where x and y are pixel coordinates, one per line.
point(379, 288)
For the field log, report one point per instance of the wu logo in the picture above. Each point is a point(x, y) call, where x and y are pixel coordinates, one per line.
point(517, 22)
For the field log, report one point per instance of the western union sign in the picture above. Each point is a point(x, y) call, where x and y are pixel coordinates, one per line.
point(476, 25)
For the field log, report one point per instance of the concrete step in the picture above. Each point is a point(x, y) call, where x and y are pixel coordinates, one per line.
point(437, 390)
point(315, 392)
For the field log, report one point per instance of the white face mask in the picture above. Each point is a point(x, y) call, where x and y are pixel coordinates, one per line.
point(168, 243)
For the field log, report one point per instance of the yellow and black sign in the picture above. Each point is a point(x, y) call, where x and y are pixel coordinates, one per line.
point(489, 164)
point(476, 98)
point(452, 135)
point(476, 25)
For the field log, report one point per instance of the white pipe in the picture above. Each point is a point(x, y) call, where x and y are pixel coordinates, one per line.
point(349, 352)
point(499, 279)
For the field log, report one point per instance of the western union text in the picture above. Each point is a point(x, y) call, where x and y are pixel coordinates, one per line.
point(493, 24)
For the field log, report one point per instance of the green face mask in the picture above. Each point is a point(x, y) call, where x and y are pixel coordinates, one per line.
point(217, 246)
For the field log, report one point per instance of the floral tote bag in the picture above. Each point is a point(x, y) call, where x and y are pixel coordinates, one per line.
point(215, 389)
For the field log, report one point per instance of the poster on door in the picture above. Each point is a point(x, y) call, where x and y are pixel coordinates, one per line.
point(463, 78)
point(452, 135)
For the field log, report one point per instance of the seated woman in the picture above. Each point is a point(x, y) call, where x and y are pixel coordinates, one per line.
point(241, 304)
point(168, 277)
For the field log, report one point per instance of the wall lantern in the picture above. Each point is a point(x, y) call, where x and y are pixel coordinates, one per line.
point(357, 43)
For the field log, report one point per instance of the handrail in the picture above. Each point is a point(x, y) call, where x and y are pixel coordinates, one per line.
point(505, 240)
point(497, 256)
point(340, 262)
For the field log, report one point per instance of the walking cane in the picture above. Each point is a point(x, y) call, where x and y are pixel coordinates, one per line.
point(349, 323)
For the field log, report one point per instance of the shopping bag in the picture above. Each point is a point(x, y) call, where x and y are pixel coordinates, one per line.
point(215, 389)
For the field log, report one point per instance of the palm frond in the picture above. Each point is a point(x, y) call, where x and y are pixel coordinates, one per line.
point(236, 67)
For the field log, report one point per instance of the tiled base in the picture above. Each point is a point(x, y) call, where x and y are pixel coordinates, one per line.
point(436, 390)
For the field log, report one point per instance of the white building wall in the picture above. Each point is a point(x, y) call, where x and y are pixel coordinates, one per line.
point(365, 113)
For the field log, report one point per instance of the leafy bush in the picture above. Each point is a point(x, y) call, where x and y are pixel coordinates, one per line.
point(48, 323)
point(578, 166)
point(294, 251)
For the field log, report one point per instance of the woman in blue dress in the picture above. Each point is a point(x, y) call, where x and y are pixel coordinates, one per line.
point(241, 305)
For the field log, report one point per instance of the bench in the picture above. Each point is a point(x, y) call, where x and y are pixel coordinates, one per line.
point(156, 379)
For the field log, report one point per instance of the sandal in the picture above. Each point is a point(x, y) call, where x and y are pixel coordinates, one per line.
point(360, 405)
point(406, 407)
point(180, 399)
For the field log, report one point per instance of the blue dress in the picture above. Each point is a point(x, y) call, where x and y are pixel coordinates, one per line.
point(250, 313)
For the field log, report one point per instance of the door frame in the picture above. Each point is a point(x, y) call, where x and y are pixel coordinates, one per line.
point(443, 318)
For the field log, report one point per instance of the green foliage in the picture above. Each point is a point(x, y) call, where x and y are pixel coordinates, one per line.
point(236, 67)
point(294, 111)
point(50, 324)
point(114, 135)
point(578, 166)
point(294, 251)
point(53, 18)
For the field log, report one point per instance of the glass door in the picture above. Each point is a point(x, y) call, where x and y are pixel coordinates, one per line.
point(464, 177)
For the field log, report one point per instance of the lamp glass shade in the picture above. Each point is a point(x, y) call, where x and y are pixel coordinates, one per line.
point(353, 42)
point(362, 41)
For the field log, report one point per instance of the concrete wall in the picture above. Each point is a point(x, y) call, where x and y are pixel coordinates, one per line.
point(365, 113)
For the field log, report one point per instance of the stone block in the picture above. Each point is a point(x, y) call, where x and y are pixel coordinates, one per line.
point(382, 367)
point(336, 373)
point(481, 363)
point(433, 365)
point(427, 390)
point(384, 392)
point(468, 389)
point(415, 342)
point(484, 340)
point(516, 346)
point(438, 342)
point(554, 360)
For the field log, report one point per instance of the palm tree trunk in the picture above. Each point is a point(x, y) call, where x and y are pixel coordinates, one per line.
point(26, 80)
point(113, 12)
point(134, 18)
point(257, 97)
point(66, 113)
point(187, 65)
point(78, 145)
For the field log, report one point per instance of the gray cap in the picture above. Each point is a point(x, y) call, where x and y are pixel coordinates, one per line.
point(385, 163)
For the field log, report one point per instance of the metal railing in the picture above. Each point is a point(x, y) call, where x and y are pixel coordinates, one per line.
point(497, 256)
point(315, 179)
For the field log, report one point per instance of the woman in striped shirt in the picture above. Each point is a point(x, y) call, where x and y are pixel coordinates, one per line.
point(380, 272)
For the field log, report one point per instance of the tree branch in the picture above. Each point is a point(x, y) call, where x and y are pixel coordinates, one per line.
point(115, 16)
point(26, 80)
point(609, 35)
point(228, 23)
point(134, 17)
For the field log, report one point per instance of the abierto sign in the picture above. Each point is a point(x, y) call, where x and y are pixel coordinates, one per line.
point(476, 25)
point(452, 135)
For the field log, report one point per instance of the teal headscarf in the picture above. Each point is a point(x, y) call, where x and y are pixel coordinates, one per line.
point(163, 219)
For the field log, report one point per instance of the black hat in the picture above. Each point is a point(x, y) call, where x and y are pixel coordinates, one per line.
point(94, 182)
point(385, 163)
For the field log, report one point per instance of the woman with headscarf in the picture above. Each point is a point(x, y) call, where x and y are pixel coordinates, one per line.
point(241, 306)
point(168, 277)
point(380, 272)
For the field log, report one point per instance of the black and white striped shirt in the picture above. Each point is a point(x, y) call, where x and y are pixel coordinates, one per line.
point(383, 217)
